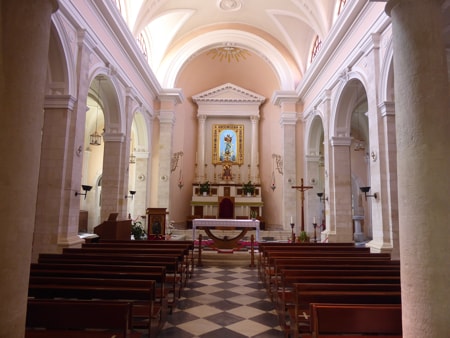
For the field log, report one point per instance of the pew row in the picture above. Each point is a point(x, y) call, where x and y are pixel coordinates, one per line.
point(355, 320)
point(56, 318)
point(146, 314)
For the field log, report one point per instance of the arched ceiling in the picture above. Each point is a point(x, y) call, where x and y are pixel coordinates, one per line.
point(283, 31)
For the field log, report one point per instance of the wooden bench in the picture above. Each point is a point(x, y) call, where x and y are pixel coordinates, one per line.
point(56, 318)
point(140, 293)
point(266, 262)
point(284, 298)
point(155, 273)
point(272, 273)
point(188, 244)
point(349, 320)
point(173, 276)
point(300, 316)
point(181, 253)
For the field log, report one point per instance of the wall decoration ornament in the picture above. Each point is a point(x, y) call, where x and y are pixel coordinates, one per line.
point(228, 144)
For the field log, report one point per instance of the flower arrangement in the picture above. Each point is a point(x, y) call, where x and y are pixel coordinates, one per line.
point(137, 230)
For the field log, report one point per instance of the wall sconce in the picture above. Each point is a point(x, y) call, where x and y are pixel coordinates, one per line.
point(85, 188)
point(132, 158)
point(132, 192)
point(321, 196)
point(365, 190)
point(373, 155)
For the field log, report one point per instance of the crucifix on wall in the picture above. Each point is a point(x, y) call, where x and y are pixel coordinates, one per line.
point(302, 188)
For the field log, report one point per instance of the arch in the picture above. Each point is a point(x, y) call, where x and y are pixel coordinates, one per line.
point(61, 71)
point(171, 67)
point(386, 86)
point(347, 98)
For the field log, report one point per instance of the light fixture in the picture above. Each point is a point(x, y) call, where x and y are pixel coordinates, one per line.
point(365, 190)
point(132, 158)
point(95, 139)
point(321, 196)
point(229, 52)
point(85, 188)
point(132, 193)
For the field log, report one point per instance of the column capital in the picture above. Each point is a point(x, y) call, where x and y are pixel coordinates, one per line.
point(288, 118)
point(175, 96)
point(340, 141)
point(387, 108)
point(166, 117)
point(59, 101)
point(113, 137)
point(282, 96)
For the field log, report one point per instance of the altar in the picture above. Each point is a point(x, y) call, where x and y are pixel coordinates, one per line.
point(223, 224)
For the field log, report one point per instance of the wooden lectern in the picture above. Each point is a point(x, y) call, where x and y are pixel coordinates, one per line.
point(156, 221)
point(114, 229)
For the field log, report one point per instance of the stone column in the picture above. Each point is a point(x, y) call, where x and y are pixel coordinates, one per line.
point(422, 127)
point(54, 230)
point(24, 36)
point(340, 227)
point(114, 179)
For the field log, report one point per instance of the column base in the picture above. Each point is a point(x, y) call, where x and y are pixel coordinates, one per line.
point(379, 247)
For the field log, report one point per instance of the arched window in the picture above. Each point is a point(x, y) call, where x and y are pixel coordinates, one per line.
point(316, 47)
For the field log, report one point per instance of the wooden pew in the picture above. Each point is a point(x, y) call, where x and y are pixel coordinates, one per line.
point(56, 318)
point(173, 276)
point(348, 320)
point(155, 273)
point(272, 275)
point(300, 315)
point(141, 293)
point(181, 253)
point(189, 244)
point(266, 262)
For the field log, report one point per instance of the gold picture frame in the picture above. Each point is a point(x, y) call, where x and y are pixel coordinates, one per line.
point(228, 144)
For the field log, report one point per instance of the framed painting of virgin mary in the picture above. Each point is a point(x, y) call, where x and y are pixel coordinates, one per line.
point(228, 144)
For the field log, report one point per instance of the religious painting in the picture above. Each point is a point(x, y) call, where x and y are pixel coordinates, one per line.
point(228, 144)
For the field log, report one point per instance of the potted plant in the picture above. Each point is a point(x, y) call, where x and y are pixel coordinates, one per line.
point(303, 237)
point(204, 188)
point(248, 188)
point(137, 230)
point(253, 214)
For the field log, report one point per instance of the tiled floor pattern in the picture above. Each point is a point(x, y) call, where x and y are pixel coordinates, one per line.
point(223, 302)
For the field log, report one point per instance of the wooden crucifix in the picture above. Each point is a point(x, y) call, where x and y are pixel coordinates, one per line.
point(302, 188)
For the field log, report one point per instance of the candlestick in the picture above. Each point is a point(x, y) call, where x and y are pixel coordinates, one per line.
point(292, 220)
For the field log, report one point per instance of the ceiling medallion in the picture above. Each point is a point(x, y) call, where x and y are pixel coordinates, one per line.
point(229, 5)
point(228, 53)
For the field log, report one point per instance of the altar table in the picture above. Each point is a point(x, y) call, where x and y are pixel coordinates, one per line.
point(238, 224)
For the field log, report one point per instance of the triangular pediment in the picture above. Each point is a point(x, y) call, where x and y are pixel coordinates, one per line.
point(228, 93)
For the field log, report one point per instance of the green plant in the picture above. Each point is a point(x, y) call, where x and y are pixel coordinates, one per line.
point(137, 230)
point(248, 188)
point(204, 187)
point(253, 214)
point(303, 237)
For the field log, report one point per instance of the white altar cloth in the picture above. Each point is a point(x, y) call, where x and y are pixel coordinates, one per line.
point(232, 223)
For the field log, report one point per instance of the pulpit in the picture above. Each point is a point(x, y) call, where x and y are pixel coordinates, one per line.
point(156, 221)
point(113, 228)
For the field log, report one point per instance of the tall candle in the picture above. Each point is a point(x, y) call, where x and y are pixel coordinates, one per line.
point(292, 220)
point(314, 220)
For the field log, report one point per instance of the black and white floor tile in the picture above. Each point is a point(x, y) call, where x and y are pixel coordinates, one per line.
point(223, 302)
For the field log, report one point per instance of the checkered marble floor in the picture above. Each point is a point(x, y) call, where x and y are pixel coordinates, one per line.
point(223, 302)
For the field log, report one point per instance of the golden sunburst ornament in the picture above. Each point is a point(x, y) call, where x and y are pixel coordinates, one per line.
point(229, 53)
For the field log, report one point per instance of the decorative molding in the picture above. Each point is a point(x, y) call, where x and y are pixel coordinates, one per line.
point(228, 93)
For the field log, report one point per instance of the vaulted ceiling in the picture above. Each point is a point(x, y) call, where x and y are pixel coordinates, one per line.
point(280, 31)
